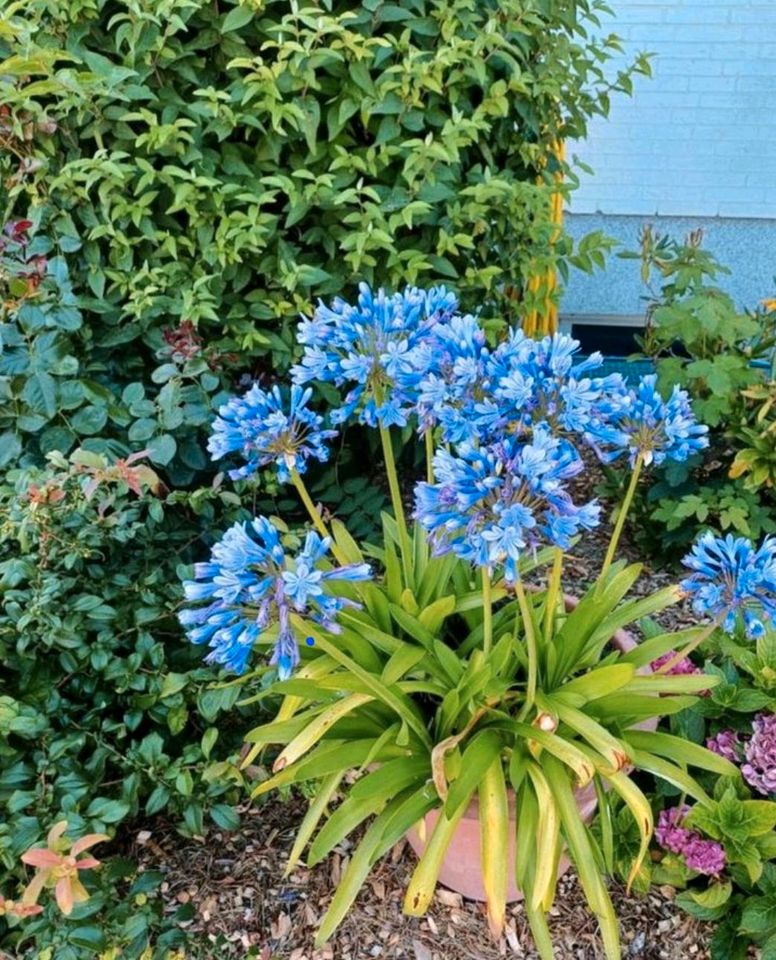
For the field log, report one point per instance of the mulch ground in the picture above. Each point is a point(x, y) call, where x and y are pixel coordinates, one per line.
point(243, 906)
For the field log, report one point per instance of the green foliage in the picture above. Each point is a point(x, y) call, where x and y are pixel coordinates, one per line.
point(104, 714)
point(227, 166)
point(123, 913)
point(701, 342)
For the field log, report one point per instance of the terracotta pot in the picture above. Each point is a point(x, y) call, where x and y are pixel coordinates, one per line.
point(461, 867)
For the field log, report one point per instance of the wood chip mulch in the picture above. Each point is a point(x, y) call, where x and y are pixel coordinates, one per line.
point(243, 906)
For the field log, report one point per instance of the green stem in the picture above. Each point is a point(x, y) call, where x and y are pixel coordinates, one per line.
point(553, 591)
point(686, 651)
point(487, 612)
point(398, 507)
point(316, 518)
point(621, 516)
point(429, 438)
point(530, 644)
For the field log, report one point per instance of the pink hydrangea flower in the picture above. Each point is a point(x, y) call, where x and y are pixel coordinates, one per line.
point(726, 744)
point(704, 856)
point(668, 833)
point(760, 752)
point(684, 666)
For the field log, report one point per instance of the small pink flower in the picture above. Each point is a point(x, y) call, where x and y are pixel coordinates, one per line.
point(668, 833)
point(704, 856)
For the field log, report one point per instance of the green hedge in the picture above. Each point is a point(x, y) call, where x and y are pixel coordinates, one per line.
point(225, 164)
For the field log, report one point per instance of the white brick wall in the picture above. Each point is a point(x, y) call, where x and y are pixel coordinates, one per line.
point(699, 138)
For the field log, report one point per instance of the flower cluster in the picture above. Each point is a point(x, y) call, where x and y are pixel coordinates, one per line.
point(372, 347)
point(251, 582)
point(759, 768)
point(732, 579)
point(701, 856)
point(645, 425)
point(489, 505)
point(682, 667)
point(264, 430)
point(725, 744)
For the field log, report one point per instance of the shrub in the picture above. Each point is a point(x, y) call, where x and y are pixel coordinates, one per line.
point(699, 340)
point(104, 716)
point(224, 167)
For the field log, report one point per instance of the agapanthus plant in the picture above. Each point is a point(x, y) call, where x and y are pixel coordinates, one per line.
point(450, 677)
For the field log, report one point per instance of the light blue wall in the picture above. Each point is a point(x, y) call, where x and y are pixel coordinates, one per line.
point(746, 246)
point(695, 146)
point(699, 137)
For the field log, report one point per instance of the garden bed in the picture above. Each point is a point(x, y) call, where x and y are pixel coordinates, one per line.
point(241, 903)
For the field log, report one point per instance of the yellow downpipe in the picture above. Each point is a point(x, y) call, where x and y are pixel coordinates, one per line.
point(541, 321)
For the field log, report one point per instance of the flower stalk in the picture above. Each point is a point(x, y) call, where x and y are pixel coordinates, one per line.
point(487, 612)
point(530, 644)
point(398, 507)
point(621, 517)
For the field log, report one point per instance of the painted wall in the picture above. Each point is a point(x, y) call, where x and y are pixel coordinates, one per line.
point(695, 146)
point(699, 138)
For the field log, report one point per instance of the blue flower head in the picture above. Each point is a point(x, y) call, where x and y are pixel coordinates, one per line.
point(264, 429)
point(545, 381)
point(450, 361)
point(732, 580)
point(491, 505)
point(645, 424)
point(370, 347)
point(249, 583)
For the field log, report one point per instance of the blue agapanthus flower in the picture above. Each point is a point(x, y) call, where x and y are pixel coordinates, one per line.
point(450, 362)
point(494, 504)
point(264, 429)
point(645, 424)
point(250, 582)
point(545, 380)
point(370, 347)
point(732, 579)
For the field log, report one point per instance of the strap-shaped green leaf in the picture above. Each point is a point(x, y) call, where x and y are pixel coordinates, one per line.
point(627, 708)
point(483, 748)
point(390, 695)
point(567, 752)
point(582, 852)
point(404, 658)
point(680, 751)
point(319, 727)
point(600, 682)
point(583, 621)
point(654, 647)
point(382, 833)
point(312, 818)
point(616, 752)
point(547, 841)
point(423, 882)
point(671, 773)
point(434, 615)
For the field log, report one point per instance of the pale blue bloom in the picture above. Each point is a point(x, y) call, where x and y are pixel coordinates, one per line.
point(731, 580)
point(643, 423)
point(370, 347)
point(264, 429)
point(492, 505)
point(250, 583)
